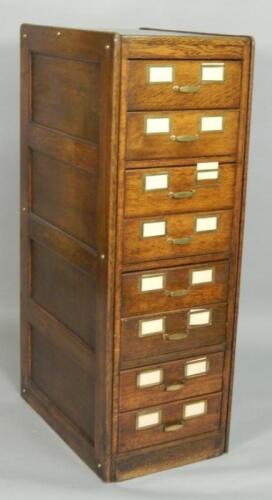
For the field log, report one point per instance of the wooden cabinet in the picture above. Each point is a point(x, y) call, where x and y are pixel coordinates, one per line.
point(134, 157)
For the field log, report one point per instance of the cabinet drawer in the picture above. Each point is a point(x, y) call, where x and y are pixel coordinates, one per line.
point(168, 422)
point(177, 236)
point(167, 382)
point(174, 288)
point(205, 186)
point(181, 134)
point(183, 84)
point(158, 334)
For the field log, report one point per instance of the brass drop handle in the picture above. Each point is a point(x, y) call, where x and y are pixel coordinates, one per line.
point(173, 427)
point(175, 336)
point(182, 195)
point(174, 387)
point(184, 138)
point(180, 241)
point(176, 293)
point(186, 89)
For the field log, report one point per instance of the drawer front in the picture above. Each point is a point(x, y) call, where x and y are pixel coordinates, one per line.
point(178, 331)
point(204, 186)
point(169, 422)
point(183, 84)
point(177, 236)
point(181, 134)
point(157, 384)
point(174, 288)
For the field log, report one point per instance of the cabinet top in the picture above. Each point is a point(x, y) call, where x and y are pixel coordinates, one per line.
point(141, 32)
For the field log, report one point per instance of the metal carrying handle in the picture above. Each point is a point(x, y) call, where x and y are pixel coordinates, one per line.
point(180, 241)
point(186, 89)
point(181, 195)
point(173, 427)
point(175, 336)
point(184, 138)
point(176, 293)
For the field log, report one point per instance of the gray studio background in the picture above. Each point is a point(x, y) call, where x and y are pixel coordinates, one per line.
point(34, 462)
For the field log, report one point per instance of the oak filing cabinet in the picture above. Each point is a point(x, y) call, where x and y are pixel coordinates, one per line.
point(134, 153)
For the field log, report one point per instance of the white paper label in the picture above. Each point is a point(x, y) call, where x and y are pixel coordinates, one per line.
point(157, 126)
point(160, 74)
point(207, 170)
point(196, 367)
point(151, 229)
point(151, 326)
point(149, 283)
point(148, 419)
point(203, 276)
point(194, 409)
point(212, 72)
point(199, 317)
point(150, 377)
point(211, 123)
point(206, 224)
point(156, 181)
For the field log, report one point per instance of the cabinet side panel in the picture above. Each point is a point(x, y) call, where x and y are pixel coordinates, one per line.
point(68, 199)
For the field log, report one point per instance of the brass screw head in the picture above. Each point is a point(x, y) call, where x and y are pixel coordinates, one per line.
point(24, 35)
point(58, 33)
point(107, 47)
point(102, 256)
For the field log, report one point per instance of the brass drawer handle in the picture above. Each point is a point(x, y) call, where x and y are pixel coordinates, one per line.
point(176, 293)
point(174, 387)
point(182, 195)
point(180, 241)
point(175, 336)
point(186, 89)
point(173, 427)
point(184, 138)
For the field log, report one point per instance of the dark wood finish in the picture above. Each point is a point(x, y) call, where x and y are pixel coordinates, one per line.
point(131, 438)
point(143, 95)
point(84, 156)
point(137, 348)
point(211, 194)
point(133, 397)
point(139, 248)
point(135, 302)
point(144, 146)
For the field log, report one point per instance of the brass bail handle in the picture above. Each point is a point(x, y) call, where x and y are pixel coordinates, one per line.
point(184, 138)
point(173, 427)
point(182, 195)
point(175, 336)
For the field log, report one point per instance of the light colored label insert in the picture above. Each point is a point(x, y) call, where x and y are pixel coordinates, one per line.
point(149, 283)
point(194, 409)
point(148, 419)
point(211, 123)
point(196, 367)
point(151, 229)
point(212, 72)
point(206, 224)
point(150, 377)
point(202, 276)
point(152, 326)
point(157, 125)
point(160, 74)
point(156, 181)
point(199, 317)
point(207, 170)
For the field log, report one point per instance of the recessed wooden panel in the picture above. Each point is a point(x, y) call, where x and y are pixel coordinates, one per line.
point(173, 383)
point(155, 85)
point(58, 375)
point(136, 347)
point(179, 281)
point(55, 196)
point(177, 236)
point(64, 291)
point(66, 95)
point(183, 192)
point(131, 437)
